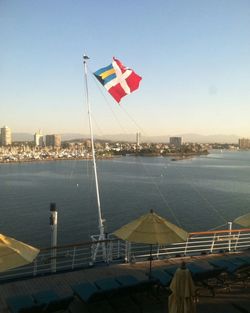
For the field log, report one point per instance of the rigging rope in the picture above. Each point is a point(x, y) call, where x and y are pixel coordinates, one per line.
point(141, 129)
point(162, 196)
point(157, 187)
point(194, 187)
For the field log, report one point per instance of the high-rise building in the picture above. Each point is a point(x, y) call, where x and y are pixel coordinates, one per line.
point(244, 143)
point(175, 141)
point(38, 139)
point(6, 136)
point(138, 139)
point(53, 140)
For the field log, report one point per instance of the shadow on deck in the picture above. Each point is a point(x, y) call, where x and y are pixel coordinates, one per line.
point(230, 294)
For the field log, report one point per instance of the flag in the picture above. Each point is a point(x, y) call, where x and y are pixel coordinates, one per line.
point(118, 79)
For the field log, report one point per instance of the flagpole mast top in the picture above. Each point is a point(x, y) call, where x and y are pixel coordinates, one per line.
point(85, 58)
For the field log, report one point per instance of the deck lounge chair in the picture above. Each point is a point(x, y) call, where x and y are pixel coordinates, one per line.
point(92, 297)
point(34, 309)
point(24, 304)
point(216, 307)
point(245, 258)
point(107, 285)
point(137, 293)
point(87, 292)
point(133, 283)
point(45, 296)
point(229, 266)
point(206, 275)
point(161, 277)
point(51, 301)
point(171, 269)
point(235, 270)
point(242, 272)
point(126, 293)
point(58, 305)
point(203, 270)
point(127, 280)
point(241, 262)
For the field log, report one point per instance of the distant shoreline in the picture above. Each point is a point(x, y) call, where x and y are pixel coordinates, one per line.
point(51, 160)
point(175, 157)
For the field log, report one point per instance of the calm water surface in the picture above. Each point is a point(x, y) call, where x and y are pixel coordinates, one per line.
point(198, 194)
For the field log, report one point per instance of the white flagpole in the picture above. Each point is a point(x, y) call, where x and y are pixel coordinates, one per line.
point(101, 226)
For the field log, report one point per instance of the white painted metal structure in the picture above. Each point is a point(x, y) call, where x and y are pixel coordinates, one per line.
point(76, 256)
point(101, 235)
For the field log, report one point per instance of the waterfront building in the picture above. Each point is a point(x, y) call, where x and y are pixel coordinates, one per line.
point(175, 141)
point(244, 143)
point(88, 143)
point(53, 140)
point(6, 137)
point(38, 139)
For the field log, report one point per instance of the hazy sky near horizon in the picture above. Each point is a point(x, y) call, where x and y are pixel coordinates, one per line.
point(193, 56)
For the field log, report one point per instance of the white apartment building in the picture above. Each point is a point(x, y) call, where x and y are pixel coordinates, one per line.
point(38, 139)
point(138, 139)
point(6, 137)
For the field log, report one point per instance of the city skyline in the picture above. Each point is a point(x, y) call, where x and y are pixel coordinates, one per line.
point(188, 137)
point(194, 59)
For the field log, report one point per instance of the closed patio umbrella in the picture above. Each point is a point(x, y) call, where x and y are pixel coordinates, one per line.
point(243, 220)
point(14, 253)
point(151, 229)
point(182, 297)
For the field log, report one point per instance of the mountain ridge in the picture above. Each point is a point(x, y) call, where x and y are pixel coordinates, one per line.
point(188, 137)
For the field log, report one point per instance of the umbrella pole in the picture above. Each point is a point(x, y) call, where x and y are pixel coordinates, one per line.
point(150, 262)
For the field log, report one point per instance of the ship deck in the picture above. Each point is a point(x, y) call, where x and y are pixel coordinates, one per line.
point(235, 300)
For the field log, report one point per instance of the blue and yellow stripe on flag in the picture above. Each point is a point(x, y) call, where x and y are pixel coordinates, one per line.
point(105, 74)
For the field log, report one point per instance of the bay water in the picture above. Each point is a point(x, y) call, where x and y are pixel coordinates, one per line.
point(197, 194)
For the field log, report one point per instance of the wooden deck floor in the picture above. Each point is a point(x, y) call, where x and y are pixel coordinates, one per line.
point(62, 282)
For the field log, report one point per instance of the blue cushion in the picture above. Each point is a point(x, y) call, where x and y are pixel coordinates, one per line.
point(171, 269)
point(161, 276)
point(85, 291)
point(17, 303)
point(107, 284)
point(127, 280)
point(222, 263)
point(195, 269)
point(237, 261)
point(59, 304)
point(45, 296)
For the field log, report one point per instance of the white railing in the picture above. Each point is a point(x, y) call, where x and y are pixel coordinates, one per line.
point(76, 256)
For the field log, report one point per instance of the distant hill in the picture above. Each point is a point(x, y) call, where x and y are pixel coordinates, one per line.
point(131, 138)
point(22, 137)
point(30, 137)
point(210, 138)
point(186, 138)
point(71, 136)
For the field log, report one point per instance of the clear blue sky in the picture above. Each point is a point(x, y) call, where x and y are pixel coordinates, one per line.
point(193, 56)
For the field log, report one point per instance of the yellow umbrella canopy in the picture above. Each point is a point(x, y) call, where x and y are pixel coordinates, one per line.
point(15, 253)
point(243, 220)
point(151, 229)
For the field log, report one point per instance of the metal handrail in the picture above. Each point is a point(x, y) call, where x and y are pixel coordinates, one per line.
point(79, 255)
